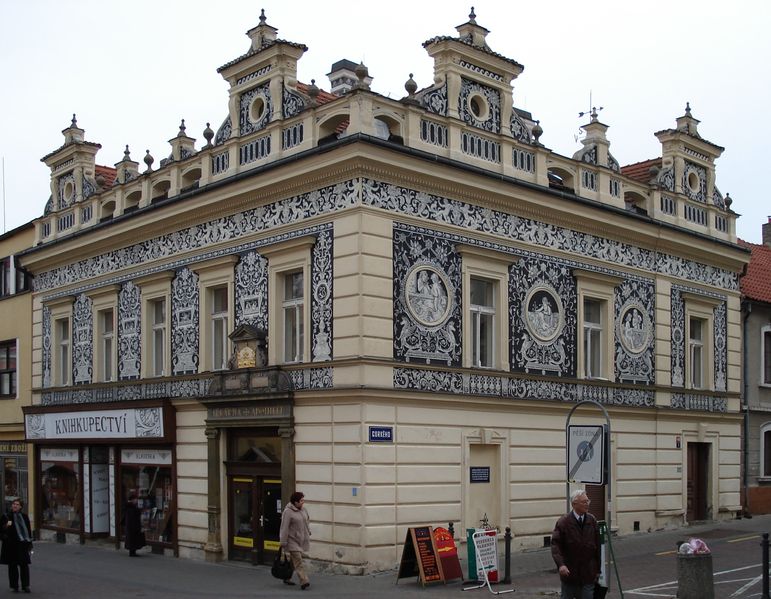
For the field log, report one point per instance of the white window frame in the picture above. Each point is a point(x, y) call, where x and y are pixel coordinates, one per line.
point(155, 288)
point(284, 259)
point(765, 356)
point(697, 345)
point(701, 308)
point(493, 267)
point(215, 274)
point(293, 316)
point(590, 328)
point(103, 300)
point(60, 312)
point(15, 370)
point(764, 428)
point(478, 314)
point(601, 288)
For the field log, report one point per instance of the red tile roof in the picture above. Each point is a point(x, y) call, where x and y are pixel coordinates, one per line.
point(756, 283)
point(641, 171)
point(323, 96)
point(108, 173)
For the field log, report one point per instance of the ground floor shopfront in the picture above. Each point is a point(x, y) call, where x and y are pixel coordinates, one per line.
point(90, 459)
point(15, 472)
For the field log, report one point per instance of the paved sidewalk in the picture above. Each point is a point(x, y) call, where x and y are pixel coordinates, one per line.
point(75, 572)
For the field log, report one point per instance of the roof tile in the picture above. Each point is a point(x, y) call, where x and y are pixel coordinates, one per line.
point(756, 283)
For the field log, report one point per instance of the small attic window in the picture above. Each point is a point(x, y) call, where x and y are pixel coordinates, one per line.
point(693, 182)
point(478, 107)
point(257, 109)
point(68, 192)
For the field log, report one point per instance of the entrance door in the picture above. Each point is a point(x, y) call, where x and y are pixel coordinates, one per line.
point(697, 484)
point(596, 495)
point(255, 520)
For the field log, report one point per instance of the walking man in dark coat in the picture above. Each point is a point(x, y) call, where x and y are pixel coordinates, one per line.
point(17, 544)
point(575, 547)
point(132, 518)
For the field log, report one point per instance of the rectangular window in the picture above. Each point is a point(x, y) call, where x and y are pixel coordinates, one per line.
point(5, 276)
point(766, 438)
point(158, 336)
point(106, 326)
point(696, 352)
point(766, 357)
point(61, 494)
point(482, 323)
point(219, 325)
point(593, 338)
point(63, 362)
point(293, 317)
point(8, 369)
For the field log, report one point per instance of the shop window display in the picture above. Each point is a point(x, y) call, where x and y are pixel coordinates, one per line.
point(61, 494)
point(14, 480)
point(153, 488)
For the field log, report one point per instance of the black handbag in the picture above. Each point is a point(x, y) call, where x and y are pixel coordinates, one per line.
point(282, 567)
point(600, 591)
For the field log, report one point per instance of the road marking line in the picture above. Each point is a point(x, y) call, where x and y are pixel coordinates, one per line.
point(743, 539)
point(746, 587)
point(666, 552)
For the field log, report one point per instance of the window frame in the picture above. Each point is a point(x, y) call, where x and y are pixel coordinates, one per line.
point(284, 259)
point(152, 289)
point(765, 357)
point(493, 267)
point(102, 301)
point(701, 308)
point(763, 448)
point(215, 274)
point(601, 288)
point(12, 372)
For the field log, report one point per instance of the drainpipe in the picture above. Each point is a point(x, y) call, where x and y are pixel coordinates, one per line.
point(746, 311)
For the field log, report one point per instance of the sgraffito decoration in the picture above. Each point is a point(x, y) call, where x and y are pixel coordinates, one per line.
point(488, 117)
point(129, 319)
point(321, 304)
point(184, 322)
point(427, 311)
point(46, 346)
point(635, 336)
point(294, 103)
point(542, 313)
point(721, 346)
point(250, 117)
point(251, 290)
point(435, 100)
point(82, 341)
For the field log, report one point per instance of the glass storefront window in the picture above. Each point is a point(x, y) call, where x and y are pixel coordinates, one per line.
point(60, 482)
point(14, 480)
point(265, 450)
point(152, 486)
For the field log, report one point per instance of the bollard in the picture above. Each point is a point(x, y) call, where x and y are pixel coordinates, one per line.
point(451, 530)
point(694, 576)
point(764, 545)
point(507, 556)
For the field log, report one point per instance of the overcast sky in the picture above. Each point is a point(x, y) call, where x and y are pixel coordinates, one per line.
point(132, 70)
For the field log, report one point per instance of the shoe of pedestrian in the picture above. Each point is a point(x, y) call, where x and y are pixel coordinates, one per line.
point(305, 585)
point(15, 589)
point(289, 582)
point(26, 590)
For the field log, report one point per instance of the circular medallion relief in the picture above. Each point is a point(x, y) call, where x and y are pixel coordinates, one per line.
point(428, 294)
point(543, 313)
point(634, 328)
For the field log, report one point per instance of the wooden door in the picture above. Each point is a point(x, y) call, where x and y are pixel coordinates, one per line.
point(697, 481)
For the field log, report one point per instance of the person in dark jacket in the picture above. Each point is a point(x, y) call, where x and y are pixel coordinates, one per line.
point(575, 548)
point(132, 519)
point(17, 545)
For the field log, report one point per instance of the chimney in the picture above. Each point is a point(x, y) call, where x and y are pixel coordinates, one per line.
point(343, 78)
point(767, 233)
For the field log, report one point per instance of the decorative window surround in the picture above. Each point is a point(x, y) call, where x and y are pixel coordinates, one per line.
point(212, 274)
point(102, 301)
point(154, 288)
point(478, 263)
point(600, 288)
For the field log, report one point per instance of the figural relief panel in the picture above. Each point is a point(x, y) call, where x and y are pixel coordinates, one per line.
point(184, 322)
point(129, 319)
point(542, 313)
point(427, 310)
point(82, 340)
point(635, 335)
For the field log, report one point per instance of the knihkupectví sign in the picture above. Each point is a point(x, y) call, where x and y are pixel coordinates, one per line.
point(381, 434)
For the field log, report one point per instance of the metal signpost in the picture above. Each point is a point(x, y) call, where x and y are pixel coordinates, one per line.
point(588, 461)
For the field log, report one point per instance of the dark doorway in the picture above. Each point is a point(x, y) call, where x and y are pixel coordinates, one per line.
point(255, 508)
point(596, 494)
point(697, 485)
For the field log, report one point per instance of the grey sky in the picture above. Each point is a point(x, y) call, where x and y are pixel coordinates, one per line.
point(131, 71)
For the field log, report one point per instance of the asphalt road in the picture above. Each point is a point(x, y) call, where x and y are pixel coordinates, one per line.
point(647, 567)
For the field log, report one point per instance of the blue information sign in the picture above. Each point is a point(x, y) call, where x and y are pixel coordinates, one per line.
point(381, 434)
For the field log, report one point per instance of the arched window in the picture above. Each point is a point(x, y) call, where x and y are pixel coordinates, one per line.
point(765, 450)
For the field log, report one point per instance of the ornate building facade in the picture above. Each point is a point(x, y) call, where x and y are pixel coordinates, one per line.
point(367, 299)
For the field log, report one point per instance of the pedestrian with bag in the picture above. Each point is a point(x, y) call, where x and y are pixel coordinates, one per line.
point(17, 546)
point(295, 536)
point(132, 521)
point(575, 548)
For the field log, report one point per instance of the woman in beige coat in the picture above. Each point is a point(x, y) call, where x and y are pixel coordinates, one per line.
point(295, 536)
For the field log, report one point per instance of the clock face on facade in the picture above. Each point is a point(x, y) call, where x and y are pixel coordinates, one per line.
point(427, 295)
point(246, 357)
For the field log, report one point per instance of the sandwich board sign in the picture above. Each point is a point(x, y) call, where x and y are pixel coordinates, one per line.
point(486, 549)
point(420, 557)
point(586, 454)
